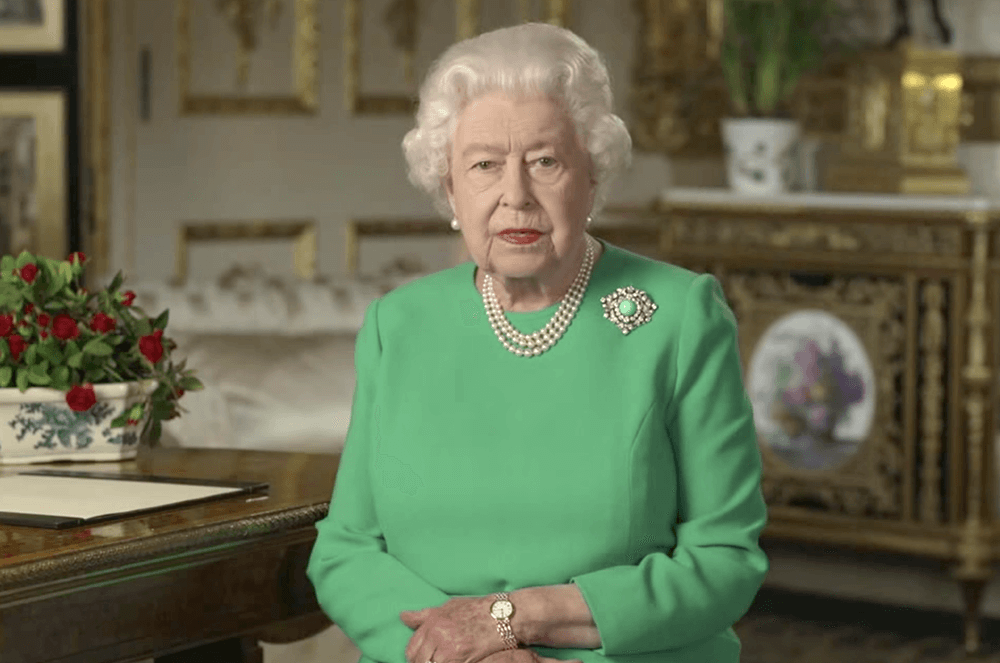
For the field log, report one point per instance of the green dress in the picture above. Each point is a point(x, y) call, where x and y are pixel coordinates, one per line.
point(627, 464)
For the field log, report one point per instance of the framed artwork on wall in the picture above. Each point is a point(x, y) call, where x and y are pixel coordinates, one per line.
point(30, 26)
point(33, 173)
point(236, 57)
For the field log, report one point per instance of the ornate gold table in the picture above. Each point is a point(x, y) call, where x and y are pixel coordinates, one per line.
point(868, 332)
point(202, 583)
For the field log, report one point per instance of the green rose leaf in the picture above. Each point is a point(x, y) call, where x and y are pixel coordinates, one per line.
point(161, 320)
point(22, 379)
point(116, 282)
point(98, 348)
point(136, 412)
point(156, 431)
point(51, 352)
point(143, 328)
point(24, 259)
point(120, 420)
point(6, 373)
point(56, 283)
point(72, 348)
point(38, 376)
point(94, 375)
point(66, 271)
point(191, 384)
point(6, 264)
point(75, 360)
point(31, 355)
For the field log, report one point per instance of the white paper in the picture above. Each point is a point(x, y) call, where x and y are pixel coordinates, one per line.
point(76, 497)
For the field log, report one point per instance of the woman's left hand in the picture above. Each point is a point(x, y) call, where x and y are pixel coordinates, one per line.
point(458, 631)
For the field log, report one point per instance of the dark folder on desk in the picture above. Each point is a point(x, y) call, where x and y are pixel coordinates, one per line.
point(56, 499)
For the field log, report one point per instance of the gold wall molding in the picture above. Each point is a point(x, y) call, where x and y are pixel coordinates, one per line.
point(357, 230)
point(467, 24)
point(305, 71)
point(301, 232)
point(95, 98)
point(932, 345)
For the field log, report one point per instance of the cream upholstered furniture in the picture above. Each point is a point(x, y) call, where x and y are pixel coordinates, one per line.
point(276, 357)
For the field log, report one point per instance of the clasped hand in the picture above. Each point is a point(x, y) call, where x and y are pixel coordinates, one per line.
point(461, 631)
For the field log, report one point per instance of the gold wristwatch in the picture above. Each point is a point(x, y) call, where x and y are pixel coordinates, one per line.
point(502, 610)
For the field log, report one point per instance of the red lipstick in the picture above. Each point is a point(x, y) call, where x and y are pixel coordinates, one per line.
point(520, 235)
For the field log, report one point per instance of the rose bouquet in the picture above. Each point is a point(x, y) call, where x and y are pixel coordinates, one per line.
point(58, 335)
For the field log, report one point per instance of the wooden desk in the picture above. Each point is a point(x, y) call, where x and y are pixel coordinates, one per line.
point(202, 583)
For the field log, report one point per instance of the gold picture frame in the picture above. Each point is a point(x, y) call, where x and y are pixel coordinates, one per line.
point(305, 66)
point(864, 309)
point(40, 30)
point(33, 172)
point(467, 23)
point(301, 231)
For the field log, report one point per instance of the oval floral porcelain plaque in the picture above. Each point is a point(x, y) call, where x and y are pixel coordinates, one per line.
point(813, 390)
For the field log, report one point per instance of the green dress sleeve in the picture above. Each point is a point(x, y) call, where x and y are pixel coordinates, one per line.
point(708, 581)
point(358, 584)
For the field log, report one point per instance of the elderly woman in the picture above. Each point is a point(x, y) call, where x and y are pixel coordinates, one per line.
point(551, 453)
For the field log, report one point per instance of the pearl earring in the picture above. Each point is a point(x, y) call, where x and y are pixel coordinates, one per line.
point(454, 224)
point(589, 221)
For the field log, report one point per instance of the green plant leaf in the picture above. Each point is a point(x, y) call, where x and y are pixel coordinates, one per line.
point(6, 264)
point(156, 430)
point(24, 259)
point(50, 351)
point(66, 271)
point(94, 375)
point(6, 373)
point(98, 348)
point(119, 421)
point(116, 282)
point(72, 348)
point(161, 320)
point(75, 360)
point(135, 412)
point(31, 354)
point(191, 384)
point(143, 328)
point(38, 376)
point(22, 378)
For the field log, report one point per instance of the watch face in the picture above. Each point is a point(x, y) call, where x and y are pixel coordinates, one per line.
point(502, 609)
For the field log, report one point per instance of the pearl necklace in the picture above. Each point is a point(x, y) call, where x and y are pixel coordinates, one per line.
point(532, 345)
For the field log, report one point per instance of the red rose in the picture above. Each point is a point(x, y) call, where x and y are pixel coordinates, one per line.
point(24, 323)
point(44, 334)
point(44, 319)
point(6, 324)
point(151, 346)
point(179, 392)
point(29, 308)
point(132, 422)
point(64, 327)
point(16, 345)
point(102, 323)
point(78, 255)
point(80, 399)
point(128, 297)
point(29, 272)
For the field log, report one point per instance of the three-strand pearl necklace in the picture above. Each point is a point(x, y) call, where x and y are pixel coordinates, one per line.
point(532, 345)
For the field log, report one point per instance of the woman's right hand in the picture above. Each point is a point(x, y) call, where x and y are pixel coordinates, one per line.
point(523, 655)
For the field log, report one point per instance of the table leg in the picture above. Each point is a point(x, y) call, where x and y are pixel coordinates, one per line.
point(972, 591)
point(234, 650)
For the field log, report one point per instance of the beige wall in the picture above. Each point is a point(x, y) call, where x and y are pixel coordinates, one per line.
point(331, 166)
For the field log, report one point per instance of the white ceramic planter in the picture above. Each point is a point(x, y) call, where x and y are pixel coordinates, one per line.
point(37, 426)
point(760, 154)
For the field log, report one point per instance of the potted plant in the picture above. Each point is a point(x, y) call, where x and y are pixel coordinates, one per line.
point(767, 46)
point(83, 375)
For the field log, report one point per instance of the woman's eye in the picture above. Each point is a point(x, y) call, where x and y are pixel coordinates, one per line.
point(483, 165)
point(546, 162)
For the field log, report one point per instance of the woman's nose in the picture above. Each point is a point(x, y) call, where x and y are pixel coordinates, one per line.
point(516, 189)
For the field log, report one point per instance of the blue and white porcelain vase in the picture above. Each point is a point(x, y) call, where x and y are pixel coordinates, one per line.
point(37, 426)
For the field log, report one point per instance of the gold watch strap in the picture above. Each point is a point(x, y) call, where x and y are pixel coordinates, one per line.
point(503, 625)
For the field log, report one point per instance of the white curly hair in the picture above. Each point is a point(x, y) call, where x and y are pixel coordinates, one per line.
point(526, 59)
